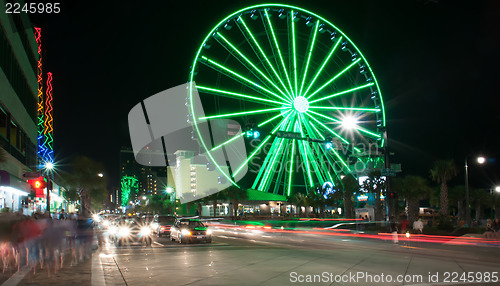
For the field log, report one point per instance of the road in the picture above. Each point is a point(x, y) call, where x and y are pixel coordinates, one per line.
point(265, 258)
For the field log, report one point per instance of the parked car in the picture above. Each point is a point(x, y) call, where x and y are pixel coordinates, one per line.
point(186, 230)
point(162, 224)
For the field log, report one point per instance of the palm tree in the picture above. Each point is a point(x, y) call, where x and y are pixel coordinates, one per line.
point(348, 186)
point(235, 195)
point(413, 189)
point(480, 198)
point(300, 200)
point(442, 171)
point(456, 198)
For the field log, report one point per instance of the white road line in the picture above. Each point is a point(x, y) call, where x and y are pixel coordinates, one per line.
point(16, 277)
point(158, 243)
point(97, 275)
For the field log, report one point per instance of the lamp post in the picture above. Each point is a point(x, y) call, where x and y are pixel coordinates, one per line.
point(468, 219)
point(49, 168)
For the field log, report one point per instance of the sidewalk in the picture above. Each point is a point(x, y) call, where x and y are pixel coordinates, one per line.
point(79, 274)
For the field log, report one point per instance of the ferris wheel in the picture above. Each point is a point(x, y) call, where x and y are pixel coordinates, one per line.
point(308, 102)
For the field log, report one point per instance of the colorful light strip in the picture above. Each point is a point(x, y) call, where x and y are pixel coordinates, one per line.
point(49, 122)
point(39, 110)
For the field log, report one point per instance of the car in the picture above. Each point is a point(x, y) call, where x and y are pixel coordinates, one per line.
point(186, 230)
point(133, 230)
point(162, 224)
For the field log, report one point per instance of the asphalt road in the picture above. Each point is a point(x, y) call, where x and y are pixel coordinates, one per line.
point(254, 257)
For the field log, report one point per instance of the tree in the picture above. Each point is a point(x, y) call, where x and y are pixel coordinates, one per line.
point(348, 186)
point(480, 198)
point(84, 179)
point(299, 200)
point(442, 171)
point(456, 197)
point(316, 198)
point(412, 189)
point(234, 194)
point(375, 184)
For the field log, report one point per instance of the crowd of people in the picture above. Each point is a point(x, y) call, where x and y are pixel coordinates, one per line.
point(42, 242)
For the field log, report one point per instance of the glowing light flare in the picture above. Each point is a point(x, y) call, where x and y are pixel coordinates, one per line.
point(349, 122)
point(481, 160)
point(301, 104)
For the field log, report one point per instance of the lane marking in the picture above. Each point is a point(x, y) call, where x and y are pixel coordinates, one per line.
point(16, 277)
point(158, 243)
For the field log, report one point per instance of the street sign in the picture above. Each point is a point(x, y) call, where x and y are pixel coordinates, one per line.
point(388, 172)
point(289, 135)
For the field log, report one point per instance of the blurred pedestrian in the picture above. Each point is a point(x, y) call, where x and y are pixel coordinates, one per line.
point(394, 230)
point(418, 226)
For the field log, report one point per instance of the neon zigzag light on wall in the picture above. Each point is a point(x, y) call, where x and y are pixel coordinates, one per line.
point(40, 109)
point(48, 124)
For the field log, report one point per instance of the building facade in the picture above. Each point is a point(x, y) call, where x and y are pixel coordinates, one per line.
point(18, 100)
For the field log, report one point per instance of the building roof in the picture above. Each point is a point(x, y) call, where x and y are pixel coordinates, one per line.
point(255, 195)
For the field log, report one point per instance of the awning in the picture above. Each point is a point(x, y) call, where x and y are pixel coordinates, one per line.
point(11, 183)
point(254, 195)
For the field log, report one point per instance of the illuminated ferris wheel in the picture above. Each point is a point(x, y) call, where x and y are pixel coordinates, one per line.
point(305, 96)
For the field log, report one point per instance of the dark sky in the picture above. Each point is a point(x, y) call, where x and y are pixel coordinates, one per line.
point(436, 61)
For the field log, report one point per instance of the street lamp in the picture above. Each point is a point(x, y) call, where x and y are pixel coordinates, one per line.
point(497, 189)
point(100, 175)
point(481, 161)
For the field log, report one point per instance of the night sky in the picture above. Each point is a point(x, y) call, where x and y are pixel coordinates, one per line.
point(436, 62)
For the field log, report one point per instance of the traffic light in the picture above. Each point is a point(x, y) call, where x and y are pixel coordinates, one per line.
point(38, 185)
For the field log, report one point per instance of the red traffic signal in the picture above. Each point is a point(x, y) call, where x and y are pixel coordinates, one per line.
point(38, 183)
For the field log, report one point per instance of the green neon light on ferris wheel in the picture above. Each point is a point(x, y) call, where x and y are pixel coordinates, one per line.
point(305, 153)
point(228, 141)
point(252, 64)
point(309, 56)
point(294, 53)
point(278, 49)
point(253, 84)
point(345, 108)
point(325, 61)
point(340, 122)
point(263, 54)
point(334, 78)
point(271, 119)
point(273, 160)
point(242, 113)
point(327, 128)
point(340, 93)
point(273, 38)
point(261, 145)
point(246, 96)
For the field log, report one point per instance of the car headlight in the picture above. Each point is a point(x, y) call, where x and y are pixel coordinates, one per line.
point(112, 230)
point(145, 231)
point(185, 232)
point(105, 223)
point(209, 231)
point(124, 231)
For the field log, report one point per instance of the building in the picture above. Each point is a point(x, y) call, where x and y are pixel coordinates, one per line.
point(18, 100)
point(152, 180)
